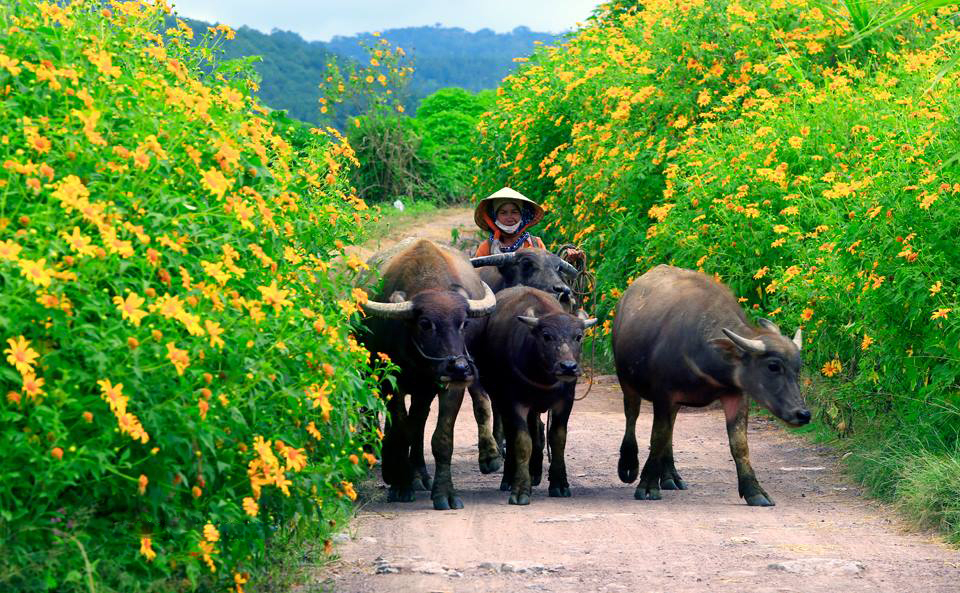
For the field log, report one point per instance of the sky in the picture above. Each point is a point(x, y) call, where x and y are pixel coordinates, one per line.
point(319, 20)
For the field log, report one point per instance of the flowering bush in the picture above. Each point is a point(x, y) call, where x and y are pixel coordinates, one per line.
point(813, 169)
point(180, 380)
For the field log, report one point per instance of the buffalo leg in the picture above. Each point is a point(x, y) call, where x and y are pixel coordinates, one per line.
point(629, 464)
point(417, 418)
point(559, 486)
point(483, 413)
point(659, 470)
point(396, 468)
point(535, 427)
point(521, 446)
point(509, 460)
point(444, 496)
point(736, 409)
point(499, 435)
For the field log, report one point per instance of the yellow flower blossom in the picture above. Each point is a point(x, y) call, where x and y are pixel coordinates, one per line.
point(867, 340)
point(35, 272)
point(21, 355)
point(9, 250)
point(32, 385)
point(130, 307)
point(210, 533)
point(178, 357)
point(831, 368)
point(250, 506)
point(146, 549)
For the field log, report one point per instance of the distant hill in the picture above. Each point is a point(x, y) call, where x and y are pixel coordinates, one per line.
point(292, 68)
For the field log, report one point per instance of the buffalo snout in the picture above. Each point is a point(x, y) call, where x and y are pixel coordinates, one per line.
point(801, 417)
point(567, 369)
point(457, 369)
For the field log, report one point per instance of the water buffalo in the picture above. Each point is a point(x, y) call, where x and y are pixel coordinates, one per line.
point(529, 266)
point(528, 360)
point(420, 316)
point(680, 338)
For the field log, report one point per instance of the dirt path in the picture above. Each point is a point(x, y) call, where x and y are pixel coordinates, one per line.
point(821, 537)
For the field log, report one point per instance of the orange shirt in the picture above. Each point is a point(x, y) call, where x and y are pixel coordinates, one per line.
point(531, 241)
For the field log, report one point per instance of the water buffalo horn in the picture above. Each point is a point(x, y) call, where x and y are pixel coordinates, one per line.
point(568, 267)
point(767, 324)
point(492, 260)
point(530, 321)
point(401, 310)
point(747, 344)
point(483, 306)
point(798, 339)
point(589, 322)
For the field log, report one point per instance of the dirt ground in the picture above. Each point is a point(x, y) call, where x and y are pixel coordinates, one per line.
point(822, 535)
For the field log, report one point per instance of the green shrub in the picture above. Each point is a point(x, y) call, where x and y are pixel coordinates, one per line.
point(180, 383)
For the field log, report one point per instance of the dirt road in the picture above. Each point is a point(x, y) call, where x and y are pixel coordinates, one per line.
point(821, 537)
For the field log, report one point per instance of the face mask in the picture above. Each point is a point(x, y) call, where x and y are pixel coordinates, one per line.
point(508, 229)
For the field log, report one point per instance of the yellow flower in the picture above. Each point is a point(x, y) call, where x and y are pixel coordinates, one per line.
point(142, 484)
point(130, 307)
point(210, 533)
point(214, 329)
point(215, 182)
point(348, 490)
point(250, 506)
point(146, 548)
point(178, 357)
point(35, 272)
point(761, 272)
point(21, 355)
point(370, 459)
point(867, 340)
point(32, 385)
point(272, 295)
point(831, 368)
point(312, 431)
point(9, 250)
point(935, 288)
point(113, 395)
point(807, 314)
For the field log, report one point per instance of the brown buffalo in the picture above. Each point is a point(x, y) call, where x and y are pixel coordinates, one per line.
point(420, 315)
point(681, 339)
point(528, 360)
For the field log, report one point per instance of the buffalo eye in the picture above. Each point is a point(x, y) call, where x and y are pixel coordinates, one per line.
point(547, 337)
point(774, 367)
point(578, 337)
point(425, 324)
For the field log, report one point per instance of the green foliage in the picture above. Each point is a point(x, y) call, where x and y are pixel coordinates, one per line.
point(181, 387)
point(813, 173)
point(391, 161)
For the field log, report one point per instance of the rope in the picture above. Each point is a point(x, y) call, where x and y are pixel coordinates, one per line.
point(584, 284)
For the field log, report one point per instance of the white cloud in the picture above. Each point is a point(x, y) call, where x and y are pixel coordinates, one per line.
point(320, 20)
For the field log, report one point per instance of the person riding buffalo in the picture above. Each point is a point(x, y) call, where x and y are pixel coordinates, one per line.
point(507, 215)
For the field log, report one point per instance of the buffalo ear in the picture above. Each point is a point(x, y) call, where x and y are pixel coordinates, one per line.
point(726, 348)
point(767, 324)
point(530, 321)
point(398, 296)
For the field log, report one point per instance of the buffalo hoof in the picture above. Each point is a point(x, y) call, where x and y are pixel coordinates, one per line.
point(506, 485)
point(560, 491)
point(423, 483)
point(672, 484)
point(760, 500)
point(400, 494)
point(628, 469)
point(488, 466)
point(520, 499)
point(446, 503)
point(647, 493)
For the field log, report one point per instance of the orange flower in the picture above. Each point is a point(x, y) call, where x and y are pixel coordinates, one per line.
point(210, 533)
point(146, 548)
point(142, 484)
point(807, 314)
point(9, 250)
point(940, 313)
point(831, 368)
point(178, 357)
point(215, 182)
point(370, 459)
point(867, 340)
point(56, 453)
point(113, 395)
point(21, 355)
point(348, 490)
point(196, 491)
point(272, 295)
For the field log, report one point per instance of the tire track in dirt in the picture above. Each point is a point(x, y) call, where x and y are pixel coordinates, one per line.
point(821, 537)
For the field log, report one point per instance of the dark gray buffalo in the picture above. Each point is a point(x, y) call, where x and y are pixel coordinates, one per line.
point(529, 363)
point(529, 267)
point(681, 339)
point(420, 317)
